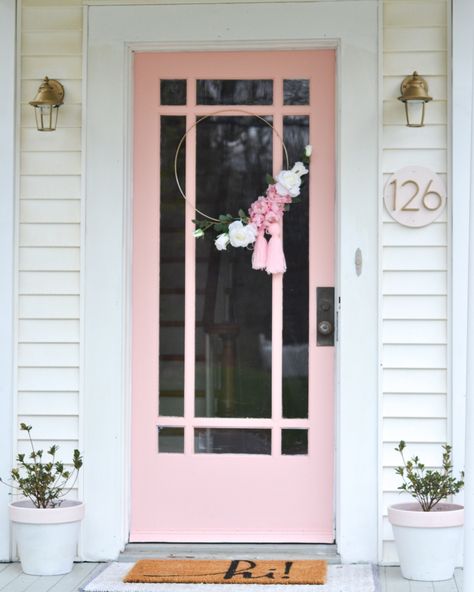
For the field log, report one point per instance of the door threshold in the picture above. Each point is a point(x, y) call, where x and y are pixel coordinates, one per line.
point(136, 551)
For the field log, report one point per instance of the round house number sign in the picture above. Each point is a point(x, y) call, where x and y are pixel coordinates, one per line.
point(415, 196)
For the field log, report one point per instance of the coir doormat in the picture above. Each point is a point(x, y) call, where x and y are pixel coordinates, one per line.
point(340, 578)
point(236, 571)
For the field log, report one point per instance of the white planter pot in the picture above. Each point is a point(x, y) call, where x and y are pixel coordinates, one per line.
point(46, 538)
point(427, 542)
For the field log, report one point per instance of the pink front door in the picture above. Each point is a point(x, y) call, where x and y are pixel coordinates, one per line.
point(232, 407)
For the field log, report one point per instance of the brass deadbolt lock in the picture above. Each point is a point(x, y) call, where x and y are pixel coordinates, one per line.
point(325, 325)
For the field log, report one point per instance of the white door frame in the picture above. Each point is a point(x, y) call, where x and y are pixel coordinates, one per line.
point(462, 90)
point(8, 147)
point(114, 32)
point(462, 184)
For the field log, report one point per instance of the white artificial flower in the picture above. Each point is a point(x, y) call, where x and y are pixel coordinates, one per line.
point(289, 182)
point(241, 235)
point(308, 150)
point(222, 241)
point(198, 233)
point(299, 169)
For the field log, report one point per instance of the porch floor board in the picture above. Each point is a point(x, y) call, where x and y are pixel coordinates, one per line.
point(13, 580)
point(392, 581)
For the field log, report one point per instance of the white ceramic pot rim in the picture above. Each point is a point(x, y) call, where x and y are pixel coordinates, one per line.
point(25, 513)
point(443, 515)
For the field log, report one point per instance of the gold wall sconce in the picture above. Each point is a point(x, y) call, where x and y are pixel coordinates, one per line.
point(48, 99)
point(414, 91)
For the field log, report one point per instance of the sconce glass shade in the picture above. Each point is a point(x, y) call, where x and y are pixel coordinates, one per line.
point(46, 103)
point(414, 91)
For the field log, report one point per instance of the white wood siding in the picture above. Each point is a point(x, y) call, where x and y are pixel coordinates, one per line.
point(49, 229)
point(414, 283)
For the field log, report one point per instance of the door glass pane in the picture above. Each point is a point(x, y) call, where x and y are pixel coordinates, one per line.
point(232, 441)
point(173, 92)
point(296, 282)
point(296, 92)
point(233, 302)
point(234, 92)
point(170, 440)
point(294, 442)
point(171, 330)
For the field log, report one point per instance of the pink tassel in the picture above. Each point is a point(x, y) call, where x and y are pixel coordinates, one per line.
point(259, 257)
point(276, 262)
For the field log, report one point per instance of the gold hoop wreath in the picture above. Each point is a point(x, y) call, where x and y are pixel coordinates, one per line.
point(265, 215)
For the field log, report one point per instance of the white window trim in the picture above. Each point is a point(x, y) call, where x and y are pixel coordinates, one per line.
point(7, 255)
point(115, 31)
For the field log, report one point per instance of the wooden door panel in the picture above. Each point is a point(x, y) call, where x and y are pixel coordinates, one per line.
point(209, 463)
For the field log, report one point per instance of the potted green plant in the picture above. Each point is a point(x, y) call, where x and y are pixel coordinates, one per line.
point(45, 525)
point(428, 531)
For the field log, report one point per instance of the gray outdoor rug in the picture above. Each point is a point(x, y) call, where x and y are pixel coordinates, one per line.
point(341, 578)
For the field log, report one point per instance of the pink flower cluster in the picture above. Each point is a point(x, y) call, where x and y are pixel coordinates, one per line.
point(268, 209)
